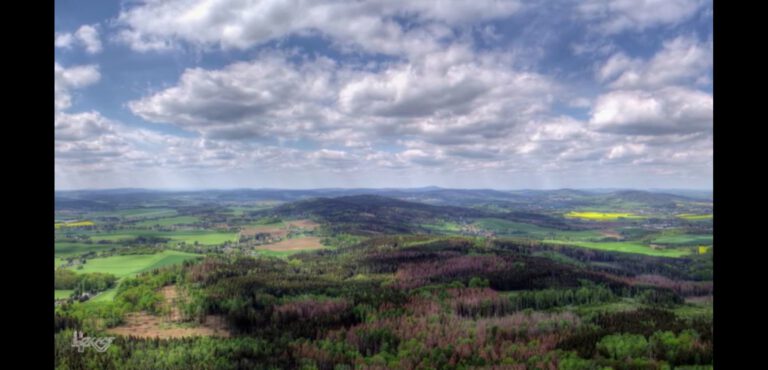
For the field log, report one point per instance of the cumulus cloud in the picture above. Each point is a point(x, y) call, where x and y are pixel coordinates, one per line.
point(615, 16)
point(68, 79)
point(87, 36)
point(410, 90)
point(681, 60)
point(447, 96)
point(671, 110)
point(241, 24)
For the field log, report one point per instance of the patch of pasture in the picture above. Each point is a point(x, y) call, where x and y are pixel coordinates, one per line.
point(62, 293)
point(127, 265)
point(136, 213)
point(202, 237)
point(695, 217)
point(625, 247)
point(683, 239)
point(169, 221)
point(66, 249)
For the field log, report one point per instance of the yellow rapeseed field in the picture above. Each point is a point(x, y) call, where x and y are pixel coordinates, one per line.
point(59, 225)
point(601, 216)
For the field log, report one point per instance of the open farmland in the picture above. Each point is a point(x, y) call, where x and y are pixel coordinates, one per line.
point(59, 225)
point(293, 244)
point(65, 249)
point(203, 237)
point(169, 221)
point(602, 216)
point(315, 272)
point(625, 247)
point(127, 265)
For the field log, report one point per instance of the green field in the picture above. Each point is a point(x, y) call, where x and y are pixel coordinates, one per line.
point(281, 254)
point(65, 249)
point(626, 247)
point(122, 266)
point(136, 213)
point(443, 227)
point(203, 237)
point(105, 296)
point(684, 239)
point(510, 228)
point(62, 293)
point(169, 221)
point(694, 217)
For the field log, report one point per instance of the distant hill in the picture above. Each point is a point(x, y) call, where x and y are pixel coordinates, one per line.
point(645, 197)
point(371, 214)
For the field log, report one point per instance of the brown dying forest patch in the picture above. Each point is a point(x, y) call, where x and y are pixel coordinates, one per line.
point(304, 224)
point(145, 325)
point(612, 234)
point(305, 243)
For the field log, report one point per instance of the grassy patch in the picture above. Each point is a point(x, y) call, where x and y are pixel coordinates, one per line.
point(169, 221)
point(203, 237)
point(62, 293)
point(684, 239)
point(122, 266)
point(64, 249)
point(626, 247)
point(695, 217)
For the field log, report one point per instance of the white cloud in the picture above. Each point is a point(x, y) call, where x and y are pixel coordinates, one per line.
point(680, 60)
point(86, 36)
point(446, 96)
point(67, 79)
point(241, 24)
point(671, 110)
point(615, 16)
point(89, 37)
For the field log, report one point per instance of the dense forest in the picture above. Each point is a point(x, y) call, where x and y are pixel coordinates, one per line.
point(418, 302)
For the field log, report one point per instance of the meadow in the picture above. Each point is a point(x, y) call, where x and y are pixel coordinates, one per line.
point(202, 237)
point(169, 221)
point(66, 249)
point(695, 217)
point(129, 265)
point(625, 247)
point(135, 213)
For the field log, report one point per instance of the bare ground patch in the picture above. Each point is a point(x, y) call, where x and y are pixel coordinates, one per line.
point(305, 243)
point(612, 234)
point(146, 325)
point(303, 224)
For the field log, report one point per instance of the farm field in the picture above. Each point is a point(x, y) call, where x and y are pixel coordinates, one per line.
point(322, 272)
point(684, 239)
point(136, 213)
point(169, 221)
point(625, 247)
point(64, 249)
point(59, 225)
point(293, 244)
point(203, 237)
point(127, 265)
point(695, 217)
point(602, 216)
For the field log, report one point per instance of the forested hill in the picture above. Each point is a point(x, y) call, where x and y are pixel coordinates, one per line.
point(364, 214)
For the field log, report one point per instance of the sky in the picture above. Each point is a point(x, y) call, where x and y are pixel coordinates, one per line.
point(383, 93)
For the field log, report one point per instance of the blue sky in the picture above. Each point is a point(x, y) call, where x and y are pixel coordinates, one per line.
point(305, 94)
